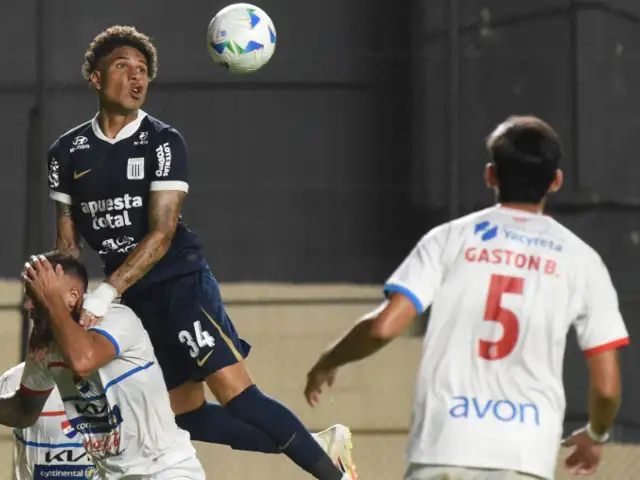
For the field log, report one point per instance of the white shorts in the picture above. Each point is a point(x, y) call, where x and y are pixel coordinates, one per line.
point(189, 469)
point(433, 472)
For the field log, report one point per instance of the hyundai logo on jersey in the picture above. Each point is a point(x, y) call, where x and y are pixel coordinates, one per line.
point(502, 410)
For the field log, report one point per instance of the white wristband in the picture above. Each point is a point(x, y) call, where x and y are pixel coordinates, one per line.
point(97, 302)
point(595, 437)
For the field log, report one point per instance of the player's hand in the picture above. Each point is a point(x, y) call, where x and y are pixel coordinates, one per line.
point(42, 281)
point(96, 304)
point(586, 455)
point(316, 379)
point(88, 319)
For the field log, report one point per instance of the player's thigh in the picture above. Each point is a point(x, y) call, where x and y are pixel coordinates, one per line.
point(202, 330)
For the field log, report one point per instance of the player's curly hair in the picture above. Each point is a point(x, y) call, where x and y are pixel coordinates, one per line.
point(119, 36)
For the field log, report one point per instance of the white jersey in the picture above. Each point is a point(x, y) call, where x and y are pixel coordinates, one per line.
point(504, 287)
point(122, 410)
point(50, 448)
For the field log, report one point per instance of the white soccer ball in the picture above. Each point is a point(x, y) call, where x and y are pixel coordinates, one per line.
point(241, 37)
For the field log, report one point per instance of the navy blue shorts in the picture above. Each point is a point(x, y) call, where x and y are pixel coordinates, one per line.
point(191, 333)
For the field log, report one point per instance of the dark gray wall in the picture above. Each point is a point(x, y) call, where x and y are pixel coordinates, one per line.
point(297, 170)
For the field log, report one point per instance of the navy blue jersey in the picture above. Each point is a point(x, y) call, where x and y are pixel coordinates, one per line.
point(107, 182)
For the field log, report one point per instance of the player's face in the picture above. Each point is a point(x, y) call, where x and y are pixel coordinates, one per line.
point(123, 79)
point(73, 299)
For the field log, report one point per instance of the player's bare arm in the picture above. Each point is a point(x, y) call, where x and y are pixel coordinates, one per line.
point(604, 390)
point(368, 335)
point(67, 236)
point(21, 409)
point(604, 403)
point(85, 351)
point(164, 211)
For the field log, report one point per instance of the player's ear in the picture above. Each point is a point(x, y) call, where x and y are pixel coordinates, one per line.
point(74, 297)
point(490, 176)
point(557, 182)
point(96, 80)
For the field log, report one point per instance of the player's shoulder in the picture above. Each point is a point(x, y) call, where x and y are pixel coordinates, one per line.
point(118, 313)
point(14, 372)
point(580, 249)
point(76, 134)
point(456, 228)
point(161, 128)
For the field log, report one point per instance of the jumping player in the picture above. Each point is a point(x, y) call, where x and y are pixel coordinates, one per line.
point(505, 285)
point(51, 447)
point(111, 386)
point(119, 181)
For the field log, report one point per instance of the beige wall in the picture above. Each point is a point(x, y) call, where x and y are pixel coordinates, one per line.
point(372, 397)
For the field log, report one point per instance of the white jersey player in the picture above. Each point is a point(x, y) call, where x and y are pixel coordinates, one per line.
point(111, 386)
point(504, 285)
point(50, 448)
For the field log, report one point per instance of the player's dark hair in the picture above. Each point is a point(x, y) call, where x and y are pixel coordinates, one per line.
point(526, 153)
point(119, 36)
point(70, 265)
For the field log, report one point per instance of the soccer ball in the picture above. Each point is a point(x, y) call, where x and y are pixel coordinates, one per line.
point(241, 37)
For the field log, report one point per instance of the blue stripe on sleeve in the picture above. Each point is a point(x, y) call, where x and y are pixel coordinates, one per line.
point(109, 336)
point(390, 288)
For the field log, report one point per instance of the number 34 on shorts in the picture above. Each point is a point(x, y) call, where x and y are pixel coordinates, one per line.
point(198, 340)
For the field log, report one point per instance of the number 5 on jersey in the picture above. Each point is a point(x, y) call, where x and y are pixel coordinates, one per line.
point(203, 339)
point(494, 312)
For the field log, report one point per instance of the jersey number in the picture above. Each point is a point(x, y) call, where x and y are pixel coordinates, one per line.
point(494, 312)
point(203, 338)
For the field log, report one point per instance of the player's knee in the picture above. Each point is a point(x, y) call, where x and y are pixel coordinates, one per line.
point(229, 382)
point(187, 397)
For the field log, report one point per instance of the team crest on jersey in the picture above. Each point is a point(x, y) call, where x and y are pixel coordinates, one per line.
point(135, 168)
point(67, 429)
point(143, 139)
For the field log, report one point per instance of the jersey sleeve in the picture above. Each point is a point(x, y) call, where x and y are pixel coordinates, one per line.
point(419, 276)
point(121, 327)
point(10, 380)
point(59, 172)
point(36, 379)
point(600, 326)
point(170, 169)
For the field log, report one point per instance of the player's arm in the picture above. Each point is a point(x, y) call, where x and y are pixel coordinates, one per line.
point(85, 351)
point(601, 331)
point(22, 408)
point(409, 292)
point(164, 212)
point(67, 236)
point(24, 394)
point(370, 333)
point(605, 390)
point(59, 172)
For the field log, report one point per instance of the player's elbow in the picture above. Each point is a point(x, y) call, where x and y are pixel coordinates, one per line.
point(83, 365)
point(382, 330)
point(163, 238)
point(607, 390)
